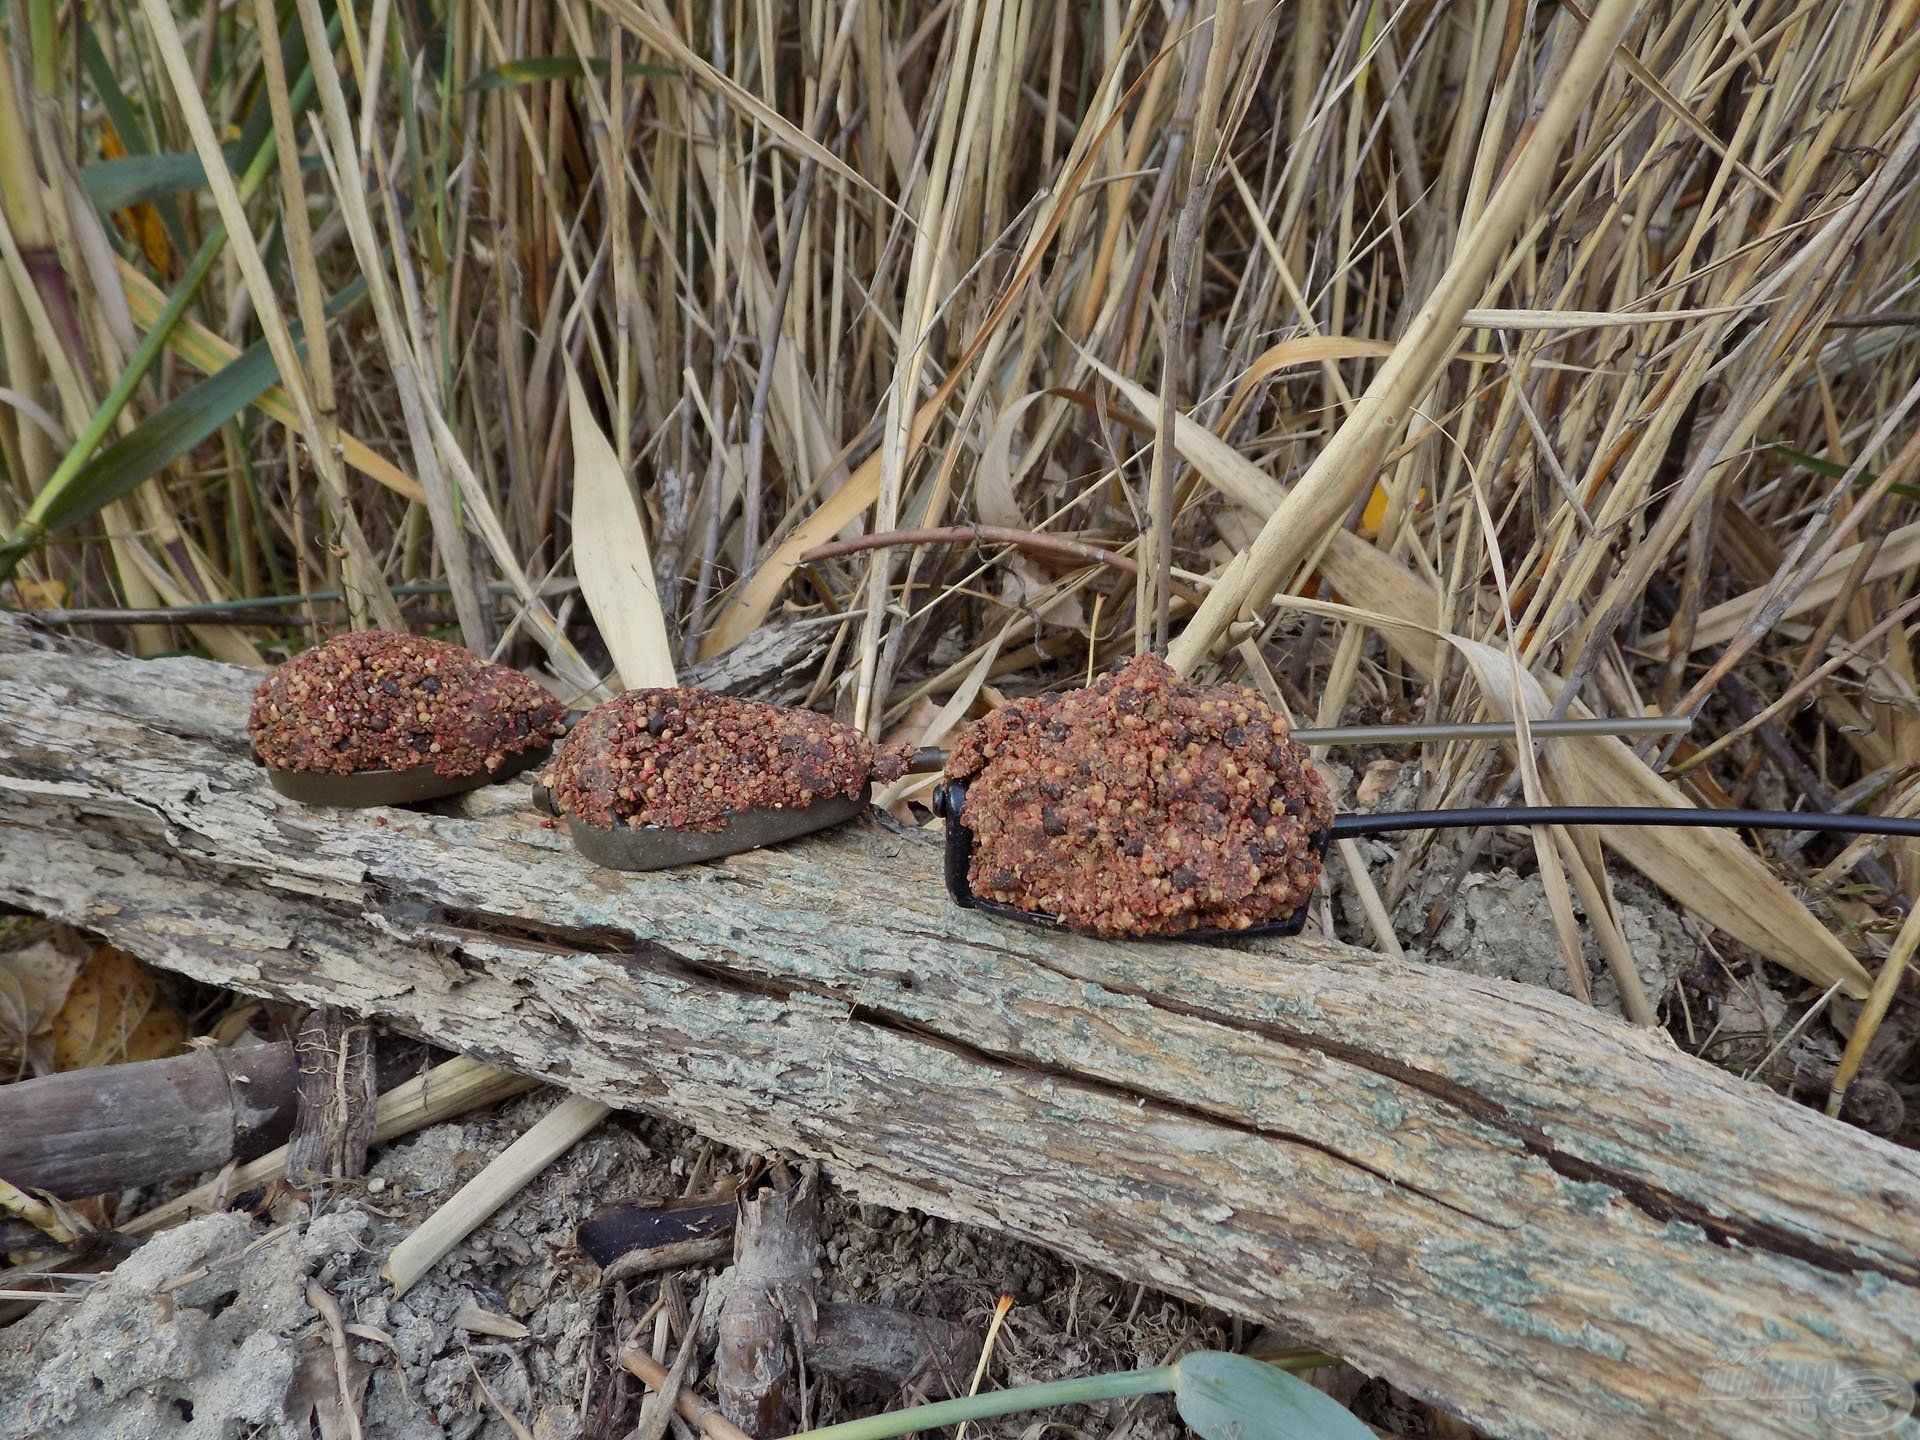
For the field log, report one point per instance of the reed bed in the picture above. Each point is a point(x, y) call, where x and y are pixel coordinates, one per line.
point(1411, 361)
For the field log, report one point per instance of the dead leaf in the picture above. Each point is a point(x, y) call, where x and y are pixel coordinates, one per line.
point(113, 1013)
point(610, 554)
point(476, 1319)
point(1378, 782)
point(34, 981)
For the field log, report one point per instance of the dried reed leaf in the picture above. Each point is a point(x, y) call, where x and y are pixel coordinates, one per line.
point(610, 554)
point(1710, 872)
point(1899, 552)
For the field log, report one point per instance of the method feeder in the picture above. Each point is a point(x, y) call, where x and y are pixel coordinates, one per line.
point(329, 723)
point(950, 798)
point(662, 847)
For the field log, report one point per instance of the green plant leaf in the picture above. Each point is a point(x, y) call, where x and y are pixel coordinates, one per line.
point(174, 429)
point(137, 179)
point(1234, 1397)
point(538, 68)
point(134, 137)
point(1832, 471)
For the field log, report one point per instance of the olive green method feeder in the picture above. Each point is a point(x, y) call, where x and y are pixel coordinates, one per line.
point(360, 789)
point(661, 847)
point(377, 718)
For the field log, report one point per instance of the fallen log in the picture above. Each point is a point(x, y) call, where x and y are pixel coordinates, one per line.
point(1522, 1210)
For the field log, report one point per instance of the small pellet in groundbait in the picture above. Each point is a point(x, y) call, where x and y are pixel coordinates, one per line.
point(1142, 805)
point(379, 701)
point(688, 759)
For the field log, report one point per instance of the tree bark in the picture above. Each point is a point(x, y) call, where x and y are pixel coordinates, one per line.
point(333, 1123)
point(1518, 1208)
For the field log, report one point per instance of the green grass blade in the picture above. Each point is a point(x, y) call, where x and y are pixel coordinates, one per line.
point(536, 69)
point(1834, 472)
point(174, 429)
point(139, 179)
point(916, 1418)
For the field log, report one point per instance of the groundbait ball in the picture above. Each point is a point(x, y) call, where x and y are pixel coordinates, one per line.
point(688, 759)
point(1142, 805)
point(376, 701)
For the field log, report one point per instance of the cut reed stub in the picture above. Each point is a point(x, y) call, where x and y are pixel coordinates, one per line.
point(375, 718)
point(657, 778)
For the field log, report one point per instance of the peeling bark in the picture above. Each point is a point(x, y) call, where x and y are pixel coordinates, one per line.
point(773, 1306)
point(334, 1123)
point(1523, 1210)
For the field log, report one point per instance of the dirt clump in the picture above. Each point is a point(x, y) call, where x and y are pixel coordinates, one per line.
point(688, 759)
point(1142, 805)
point(379, 701)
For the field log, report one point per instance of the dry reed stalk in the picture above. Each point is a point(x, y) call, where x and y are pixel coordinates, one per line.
point(1307, 312)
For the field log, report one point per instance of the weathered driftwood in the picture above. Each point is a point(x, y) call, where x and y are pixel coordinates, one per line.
point(1538, 1217)
point(117, 1126)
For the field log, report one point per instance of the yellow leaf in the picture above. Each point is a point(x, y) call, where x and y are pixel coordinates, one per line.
point(38, 594)
point(138, 222)
point(34, 981)
point(610, 554)
point(114, 1013)
point(1375, 513)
